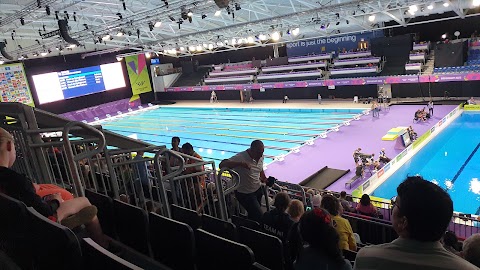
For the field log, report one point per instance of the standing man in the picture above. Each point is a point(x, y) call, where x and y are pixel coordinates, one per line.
point(430, 107)
point(249, 166)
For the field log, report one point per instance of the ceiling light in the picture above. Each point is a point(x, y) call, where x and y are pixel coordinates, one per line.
point(296, 31)
point(430, 7)
point(250, 40)
point(262, 37)
point(371, 18)
point(43, 53)
point(199, 48)
point(106, 37)
point(446, 4)
point(275, 36)
point(234, 41)
point(210, 46)
point(2, 62)
point(158, 24)
point(444, 36)
point(119, 34)
point(119, 58)
point(476, 3)
point(190, 14)
point(218, 12)
point(413, 8)
point(182, 49)
point(71, 46)
point(240, 41)
point(411, 12)
point(192, 48)
point(148, 55)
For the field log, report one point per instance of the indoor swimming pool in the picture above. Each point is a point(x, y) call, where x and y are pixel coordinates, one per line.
point(217, 133)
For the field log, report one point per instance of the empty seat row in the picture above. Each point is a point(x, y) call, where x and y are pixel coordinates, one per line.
point(188, 241)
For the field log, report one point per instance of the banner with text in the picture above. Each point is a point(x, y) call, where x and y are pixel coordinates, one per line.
point(138, 74)
point(330, 44)
point(14, 84)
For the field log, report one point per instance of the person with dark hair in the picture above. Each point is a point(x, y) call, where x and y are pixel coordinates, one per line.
point(175, 147)
point(421, 214)
point(345, 204)
point(450, 242)
point(249, 165)
point(341, 225)
point(195, 183)
point(276, 221)
point(323, 251)
point(365, 207)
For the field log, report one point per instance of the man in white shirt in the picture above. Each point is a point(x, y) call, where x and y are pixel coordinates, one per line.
point(249, 165)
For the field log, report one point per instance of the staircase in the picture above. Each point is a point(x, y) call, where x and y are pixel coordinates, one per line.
point(192, 79)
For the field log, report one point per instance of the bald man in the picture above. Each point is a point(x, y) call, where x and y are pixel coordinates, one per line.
point(71, 213)
point(249, 165)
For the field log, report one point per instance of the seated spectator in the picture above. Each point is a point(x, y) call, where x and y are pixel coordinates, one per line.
point(419, 229)
point(277, 222)
point(365, 207)
point(383, 157)
point(471, 249)
point(322, 251)
point(296, 210)
point(412, 133)
point(347, 206)
point(6, 263)
point(195, 184)
point(341, 225)
point(71, 213)
point(472, 101)
point(450, 242)
point(316, 201)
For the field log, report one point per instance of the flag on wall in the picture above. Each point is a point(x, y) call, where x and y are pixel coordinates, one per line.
point(138, 74)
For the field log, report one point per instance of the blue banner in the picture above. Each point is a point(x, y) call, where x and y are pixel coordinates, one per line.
point(330, 44)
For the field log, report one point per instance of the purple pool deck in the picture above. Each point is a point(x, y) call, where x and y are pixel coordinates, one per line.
point(101, 111)
point(336, 151)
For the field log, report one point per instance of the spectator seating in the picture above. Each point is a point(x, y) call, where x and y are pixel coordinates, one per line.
point(356, 61)
point(421, 46)
point(304, 75)
point(457, 69)
point(104, 205)
point(293, 67)
point(219, 227)
point(96, 257)
point(173, 242)
point(417, 57)
point(250, 71)
point(266, 247)
point(55, 246)
point(237, 66)
point(187, 216)
point(228, 254)
point(227, 80)
point(370, 231)
point(413, 68)
point(131, 224)
point(245, 222)
point(346, 55)
point(14, 231)
point(474, 62)
point(306, 58)
point(357, 71)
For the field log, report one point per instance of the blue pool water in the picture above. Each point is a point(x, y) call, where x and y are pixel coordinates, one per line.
point(217, 134)
point(452, 159)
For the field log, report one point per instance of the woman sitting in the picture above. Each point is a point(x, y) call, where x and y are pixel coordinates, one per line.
point(341, 225)
point(322, 251)
point(365, 207)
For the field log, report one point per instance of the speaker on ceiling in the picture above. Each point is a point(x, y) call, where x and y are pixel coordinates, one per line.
point(4, 52)
point(222, 3)
point(63, 26)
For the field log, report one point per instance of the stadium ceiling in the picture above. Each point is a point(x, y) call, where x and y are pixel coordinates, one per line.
point(188, 27)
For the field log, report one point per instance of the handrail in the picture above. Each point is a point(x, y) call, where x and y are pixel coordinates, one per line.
point(235, 179)
point(71, 158)
point(222, 193)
